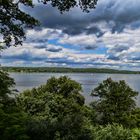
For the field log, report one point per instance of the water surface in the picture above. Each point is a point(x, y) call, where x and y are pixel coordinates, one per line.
point(88, 80)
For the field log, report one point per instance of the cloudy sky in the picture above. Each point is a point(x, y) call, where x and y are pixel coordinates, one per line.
point(107, 37)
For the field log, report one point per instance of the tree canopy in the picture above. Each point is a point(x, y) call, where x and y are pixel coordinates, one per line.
point(13, 20)
point(6, 85)
point(116, 102)
point(12, 119)
point(56, 112)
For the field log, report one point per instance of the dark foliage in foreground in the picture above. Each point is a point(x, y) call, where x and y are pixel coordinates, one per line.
point(13, 21)
point(12, 119)
point(56, 111)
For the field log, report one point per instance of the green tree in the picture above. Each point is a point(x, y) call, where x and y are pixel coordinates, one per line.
point(12, 120)
point(112, 132)
point(116, 102)
point(6, 85)
point(134, 119)
point(64, 86)
point(55, 111)
point(135, 134)
point(12, 22)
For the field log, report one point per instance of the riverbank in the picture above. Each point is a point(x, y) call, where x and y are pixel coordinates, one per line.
point(66, 70)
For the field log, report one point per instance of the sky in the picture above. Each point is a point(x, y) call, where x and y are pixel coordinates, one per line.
point(106, 37)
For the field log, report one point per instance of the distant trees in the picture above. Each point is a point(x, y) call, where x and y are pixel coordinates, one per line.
point(116, 102)
point(66, 70)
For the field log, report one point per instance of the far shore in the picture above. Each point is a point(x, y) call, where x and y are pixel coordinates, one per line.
point(66, 70)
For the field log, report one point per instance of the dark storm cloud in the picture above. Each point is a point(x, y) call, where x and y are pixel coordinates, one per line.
point(137, 58)
point(39, 40)
point(54, 49)
point(24, 56)
point(39, 46)
point(117, 49)
point(79, 29)
point(112, 57)
point(118, 27)
point(36, 40)
point(49, 49)
point(121, 13)
point(71, 23)
point(90, 47)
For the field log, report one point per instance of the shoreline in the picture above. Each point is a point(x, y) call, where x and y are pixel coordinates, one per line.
point(66, 70)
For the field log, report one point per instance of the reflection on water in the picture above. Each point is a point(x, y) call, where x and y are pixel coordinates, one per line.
point(89, 81)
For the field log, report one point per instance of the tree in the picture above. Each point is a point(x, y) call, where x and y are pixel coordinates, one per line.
point(66, 5)
point(55, 113)
point(135, 134)
point(66, 87)
point(6, 83)
point(116, 102)
point(12, 122)
point(12, 119)
point(112, 132)
point(13, 20)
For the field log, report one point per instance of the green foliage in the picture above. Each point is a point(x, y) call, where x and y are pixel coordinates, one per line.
point(136, 134)
point(6, 83)
point(134, 118)
point(112, 132)
point(13, 20)
point(12, 120)
point(66, 5)
point(12, 123)
point(116, 102)
point(57, 111)
point(62, 116)
point(64, 86)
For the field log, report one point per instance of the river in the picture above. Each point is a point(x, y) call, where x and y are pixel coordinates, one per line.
point(88, 81)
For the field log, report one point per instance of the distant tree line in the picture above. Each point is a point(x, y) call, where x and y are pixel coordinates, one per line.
point(57, 111)
point(66, 70)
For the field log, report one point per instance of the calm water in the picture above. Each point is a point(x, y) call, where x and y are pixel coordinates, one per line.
point(89, 81)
